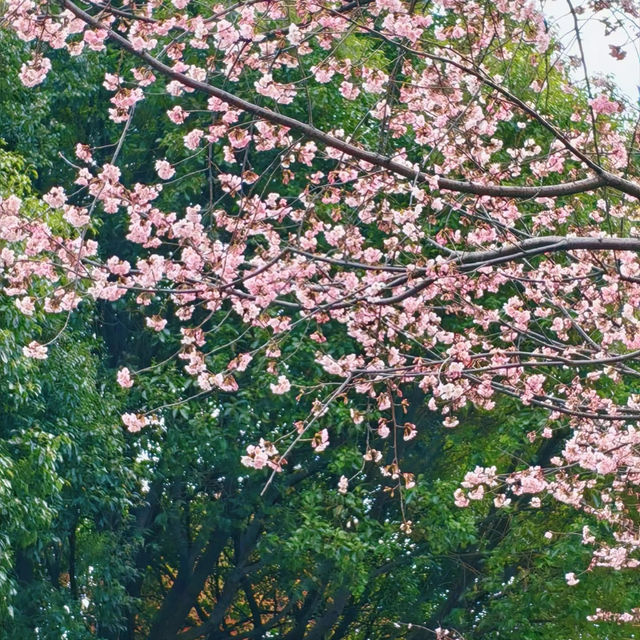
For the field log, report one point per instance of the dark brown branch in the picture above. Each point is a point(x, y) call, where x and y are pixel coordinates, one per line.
point(473, 259)
point(526, 249)
point(552, 404)
point(544, 244)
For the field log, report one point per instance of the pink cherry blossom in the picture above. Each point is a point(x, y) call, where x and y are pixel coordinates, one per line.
point(282, 386)
point(571, 579)
point(193, 138)
point(34, 71)
point(177, 114)
point(164, 169)
point(134, 422)
point(320, 441)
point(25, 305)
point(35, 350)
point(156, 323)
point(602, 104)
point(55, 198)
point(124, 378)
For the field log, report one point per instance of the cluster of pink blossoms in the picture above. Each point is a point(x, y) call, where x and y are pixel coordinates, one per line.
point(406, 230)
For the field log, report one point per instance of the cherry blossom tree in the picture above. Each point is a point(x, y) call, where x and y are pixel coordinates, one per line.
point(421, 192)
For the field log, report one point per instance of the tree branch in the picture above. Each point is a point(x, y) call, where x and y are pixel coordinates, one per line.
point(312, 133)
point(544, 244)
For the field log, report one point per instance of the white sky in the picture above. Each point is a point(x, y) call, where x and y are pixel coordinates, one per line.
point(596, 45)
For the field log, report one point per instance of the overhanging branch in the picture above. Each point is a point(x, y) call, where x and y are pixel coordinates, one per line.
point(312, 133)
point(544, 244)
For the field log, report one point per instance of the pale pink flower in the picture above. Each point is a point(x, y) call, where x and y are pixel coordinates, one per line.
point(372, 455)
point(307, 153)
point(124, 378)
point(76, 216)
point(409, 432)
point(7, 257)
point(83, 152)
point(239, 138)
point(501, 500)
point(192, 139)
point(383, 430)
point(241, 362)
point(25, 305)
point(587, 536)
point(460, 499)
point(282, 386)
point(177, 115)
point(117, 266)
point(164, 169)
point(34, 71)
point(111, 82)
point(261, 455)
point(322, 74)
point(256, 457)
point(134, 422)
point(75, 48)
point(372, 255)
point(349, 90)
point(156, 323)
point(602, 104)
point(281, 93)
point(144, 76)
point(55, 198)
point(110, 173)
point(35, 350)
point(294, 35)
point(320, 441)
point(95, 39)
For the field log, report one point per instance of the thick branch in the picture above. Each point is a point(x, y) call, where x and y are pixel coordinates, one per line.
point(544, 244)
point(528, 248)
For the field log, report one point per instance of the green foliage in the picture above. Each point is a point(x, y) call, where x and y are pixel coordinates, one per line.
point(44, 124)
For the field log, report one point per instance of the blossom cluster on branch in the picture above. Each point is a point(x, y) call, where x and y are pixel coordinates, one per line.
point(462, 236)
